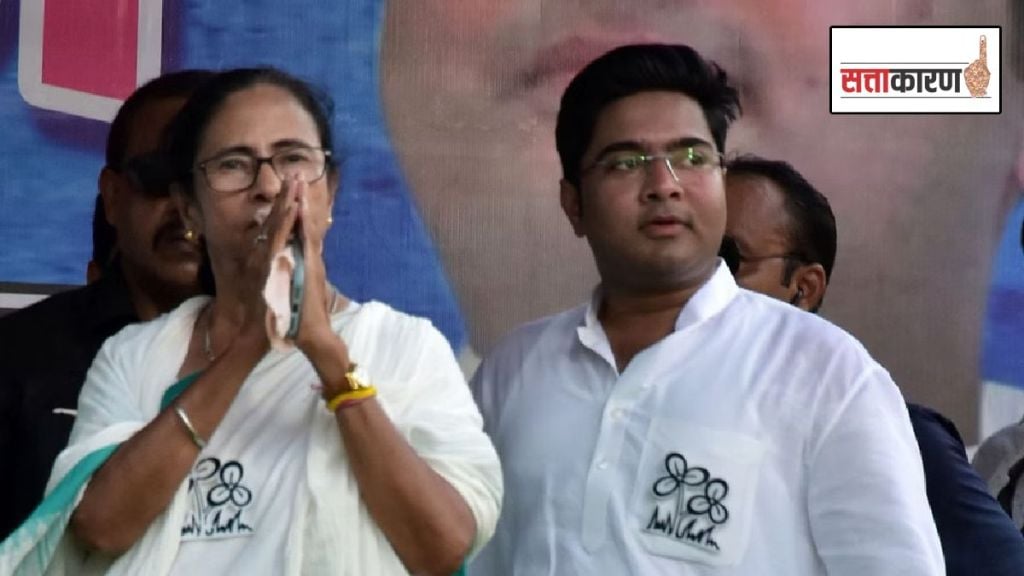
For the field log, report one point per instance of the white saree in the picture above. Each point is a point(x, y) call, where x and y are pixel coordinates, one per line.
point(419, 386)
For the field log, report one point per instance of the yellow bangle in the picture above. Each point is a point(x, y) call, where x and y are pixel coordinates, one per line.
point(358, 394)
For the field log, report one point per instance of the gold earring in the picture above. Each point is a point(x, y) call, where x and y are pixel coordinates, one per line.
point(330, 220)
point(190, 235)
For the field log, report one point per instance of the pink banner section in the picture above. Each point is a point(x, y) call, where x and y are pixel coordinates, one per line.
point(91, 46)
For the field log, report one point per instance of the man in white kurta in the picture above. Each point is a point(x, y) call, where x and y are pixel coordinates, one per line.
point(755, 439)
point(676, 424)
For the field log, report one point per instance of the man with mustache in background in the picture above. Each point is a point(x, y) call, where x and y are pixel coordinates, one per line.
point(48, 347)
point(676, 424)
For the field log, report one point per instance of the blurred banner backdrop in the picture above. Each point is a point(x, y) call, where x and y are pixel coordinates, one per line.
point(444, 113)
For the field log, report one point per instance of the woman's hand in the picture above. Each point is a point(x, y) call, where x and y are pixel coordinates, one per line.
point(315, 330)
point(268, 240)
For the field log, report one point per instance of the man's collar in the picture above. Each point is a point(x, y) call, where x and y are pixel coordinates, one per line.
point(710, 299)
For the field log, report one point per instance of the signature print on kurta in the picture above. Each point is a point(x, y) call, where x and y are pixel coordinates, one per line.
point(689, 504)
point(218, 500)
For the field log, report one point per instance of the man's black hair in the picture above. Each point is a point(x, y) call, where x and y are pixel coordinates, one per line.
point(633, 69)
point(811, 230)
point(179, 84)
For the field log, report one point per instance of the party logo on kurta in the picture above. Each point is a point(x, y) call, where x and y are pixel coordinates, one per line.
point(689, 504)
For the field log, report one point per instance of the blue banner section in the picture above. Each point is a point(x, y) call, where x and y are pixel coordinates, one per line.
point(1003, 339)
point(378, 247)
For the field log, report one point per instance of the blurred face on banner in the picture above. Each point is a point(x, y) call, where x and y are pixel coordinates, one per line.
point(918, 196)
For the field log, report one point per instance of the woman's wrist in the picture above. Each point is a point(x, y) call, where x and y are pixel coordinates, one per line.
point(350, 397)
point(335, 384)
point(329, 356)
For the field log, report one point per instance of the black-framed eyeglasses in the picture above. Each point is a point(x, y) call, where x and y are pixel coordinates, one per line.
point(694, 159)
point(235, 171)
point(151, 173)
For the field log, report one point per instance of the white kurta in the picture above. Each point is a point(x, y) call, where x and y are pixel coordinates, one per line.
point(329, 530)
point(754, 439)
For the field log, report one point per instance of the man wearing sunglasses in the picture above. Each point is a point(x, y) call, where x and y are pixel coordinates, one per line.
point(784, 234)
point(144, 264)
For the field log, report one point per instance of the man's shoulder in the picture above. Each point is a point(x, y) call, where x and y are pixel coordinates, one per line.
point(545, 340)
point(541, 343)
point(937, 437)
point(998, 453)
point(48, 345)
point(542, 333)
point(811, 349)
point(927, 418)
point(104, 303)
point(56, 316)
point(788, 321)
point(54, 306)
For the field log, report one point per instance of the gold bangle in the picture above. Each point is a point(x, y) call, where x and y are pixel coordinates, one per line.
point(358, 394)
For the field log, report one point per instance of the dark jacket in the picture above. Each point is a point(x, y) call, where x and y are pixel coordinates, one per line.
point(45, 352)
point(977, 536)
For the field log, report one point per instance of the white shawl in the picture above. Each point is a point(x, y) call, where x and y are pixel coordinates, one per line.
point(419, 386)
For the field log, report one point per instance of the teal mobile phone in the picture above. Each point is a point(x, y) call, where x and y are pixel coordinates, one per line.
point(298, 288)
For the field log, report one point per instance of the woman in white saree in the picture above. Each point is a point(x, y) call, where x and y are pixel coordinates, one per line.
point(207, 443)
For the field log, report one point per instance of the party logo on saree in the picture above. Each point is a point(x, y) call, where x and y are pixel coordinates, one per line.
point(218, 500)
